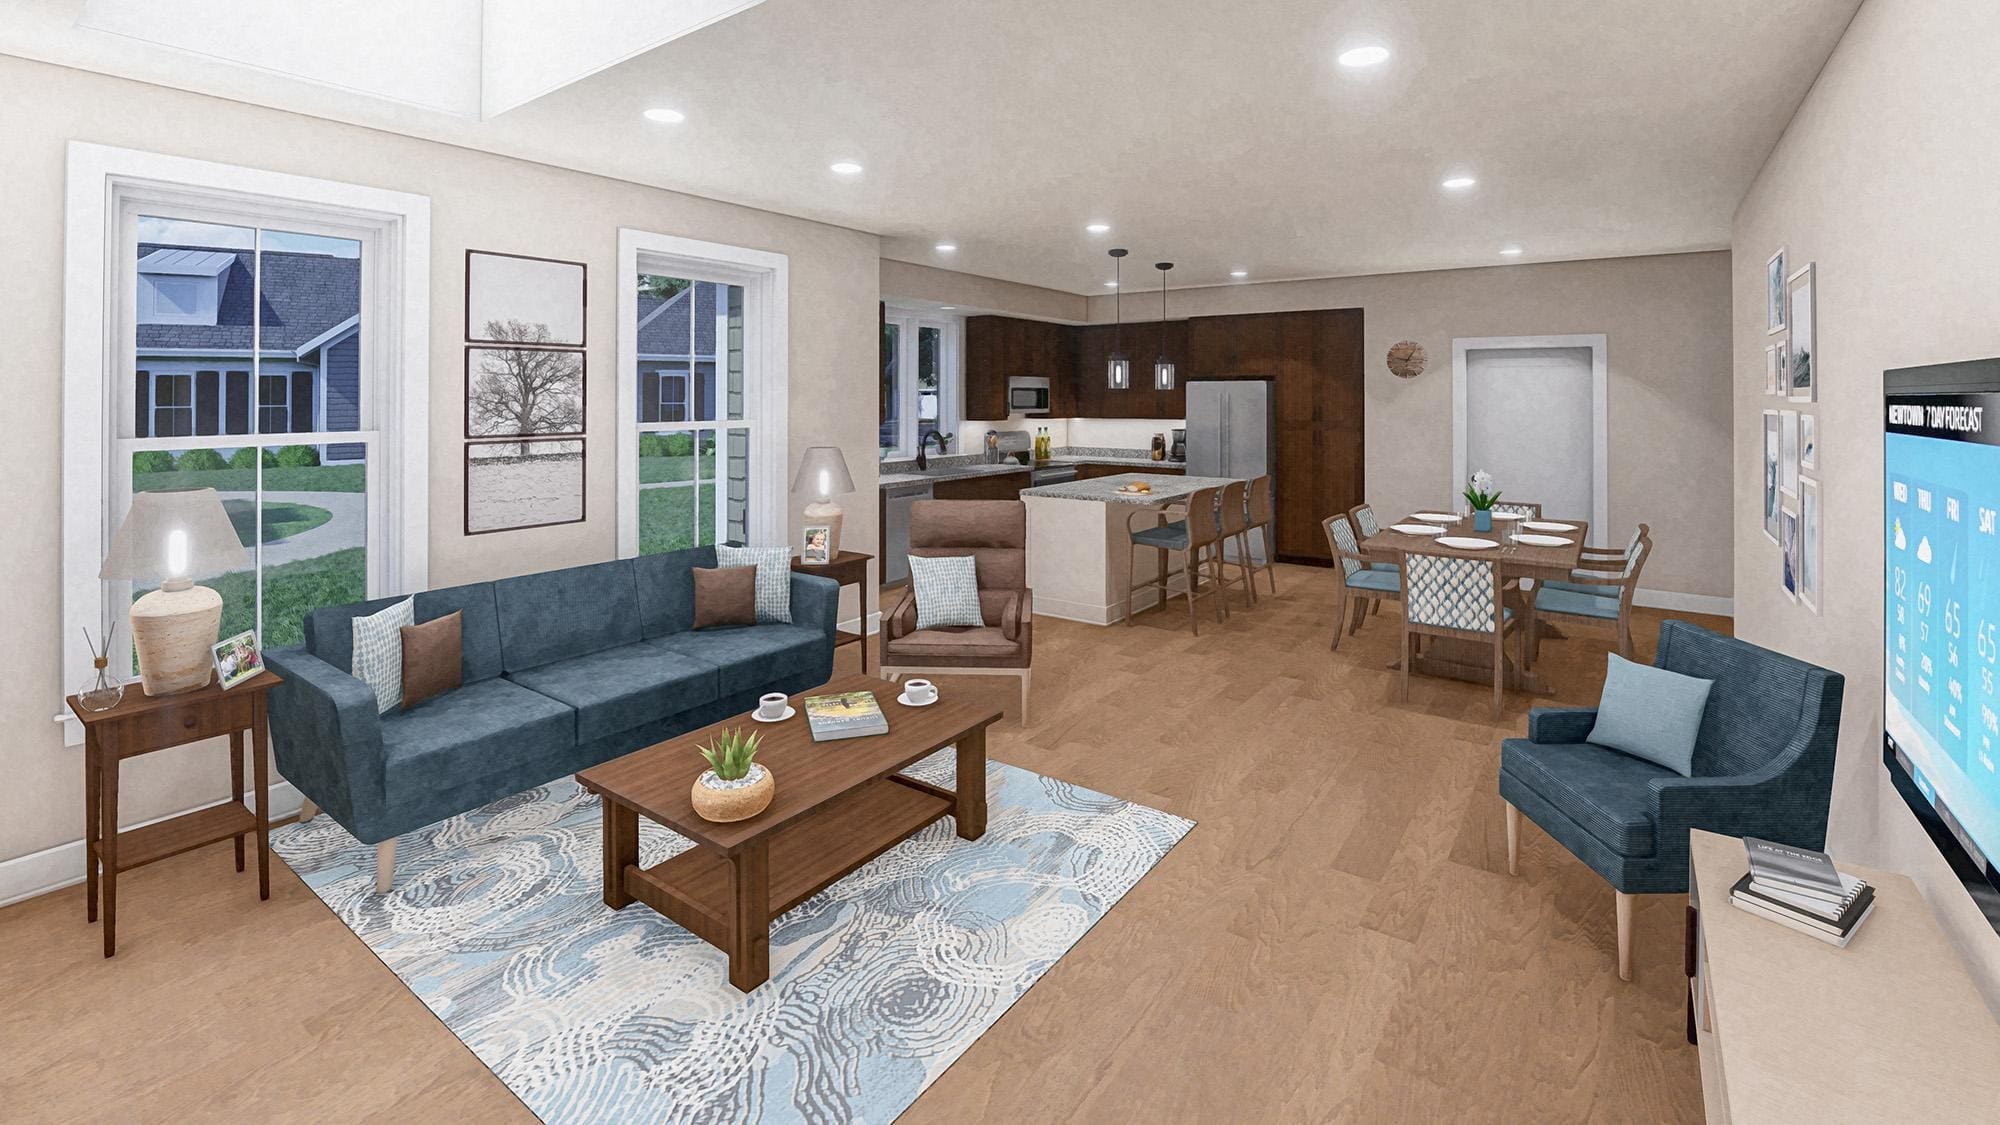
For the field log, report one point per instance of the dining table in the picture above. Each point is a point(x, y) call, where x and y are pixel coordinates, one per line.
point(1466, 659)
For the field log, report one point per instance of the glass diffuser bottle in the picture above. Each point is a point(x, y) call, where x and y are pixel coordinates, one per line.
point(103, 691)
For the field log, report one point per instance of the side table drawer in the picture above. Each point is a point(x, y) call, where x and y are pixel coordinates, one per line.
point(171, 726)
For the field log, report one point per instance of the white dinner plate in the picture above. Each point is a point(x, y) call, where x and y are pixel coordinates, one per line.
point(1435, 517)
point(1417, 528)
point(1508, 516)
point(789, 712)
point(1549, 525)
point(1540, 540)
point(1465, 543)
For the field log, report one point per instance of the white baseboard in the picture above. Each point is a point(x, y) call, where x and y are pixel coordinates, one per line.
point(874, 624)
point(52, 869)
point(1686, 603)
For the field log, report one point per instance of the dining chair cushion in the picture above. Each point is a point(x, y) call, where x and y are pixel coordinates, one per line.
point(1167, 537)
point(986, 641)
point(1651, 713)
point(947, 590)
point(1384, 581)
point(1581, 582)
point(1604, 793)
point(1576, 603)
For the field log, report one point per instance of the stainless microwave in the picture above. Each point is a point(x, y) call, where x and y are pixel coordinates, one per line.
point(1027, 395)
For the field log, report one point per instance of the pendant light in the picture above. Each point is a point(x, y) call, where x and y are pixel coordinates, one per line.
point(1163, 368)
point(1118, 372)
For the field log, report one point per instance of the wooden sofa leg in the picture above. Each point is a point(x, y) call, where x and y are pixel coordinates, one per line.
point(1624, 935)
point(307, 810)
point(1024, 697)
point(1513, 839)
point(385, 866)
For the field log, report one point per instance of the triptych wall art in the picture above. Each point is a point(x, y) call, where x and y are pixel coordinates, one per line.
point(1792, 500)
point(524, 391)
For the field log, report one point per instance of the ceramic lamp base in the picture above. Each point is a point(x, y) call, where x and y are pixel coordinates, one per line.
point(828, 513)
point(175, 631)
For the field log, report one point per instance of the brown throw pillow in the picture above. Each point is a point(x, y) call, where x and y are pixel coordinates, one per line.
point(431, 658)
point(725, 595)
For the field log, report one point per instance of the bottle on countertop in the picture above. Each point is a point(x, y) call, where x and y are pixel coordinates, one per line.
point(1159, 447)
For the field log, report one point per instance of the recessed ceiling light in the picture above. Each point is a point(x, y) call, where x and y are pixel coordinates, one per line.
point(1459, 183)
point(1111, 285)
point(665, 116)
point(845, 168)
point(946, 308)
point(945, 247)
point(1364, 56)
point(1510, 251)
point(1098, 228)
point(1239, 273)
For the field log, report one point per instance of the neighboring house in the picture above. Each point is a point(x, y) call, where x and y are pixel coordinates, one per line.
point(194, 358)
point(677, 353)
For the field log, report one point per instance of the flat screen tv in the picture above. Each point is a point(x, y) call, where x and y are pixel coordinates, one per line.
point(1941, 610)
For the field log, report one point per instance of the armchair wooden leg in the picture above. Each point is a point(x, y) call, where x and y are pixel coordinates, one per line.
point(1624, 935)
point(307, 810)
point(1513, 839)
point(1024, 697)
point(385, 866)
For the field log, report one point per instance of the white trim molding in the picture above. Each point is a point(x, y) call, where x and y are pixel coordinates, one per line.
point(1712, 604)
point(766, 280)
point(1600, 413)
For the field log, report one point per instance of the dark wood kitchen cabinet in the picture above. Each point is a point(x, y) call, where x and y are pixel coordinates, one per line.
point(1142, 344)
point(1000, 347)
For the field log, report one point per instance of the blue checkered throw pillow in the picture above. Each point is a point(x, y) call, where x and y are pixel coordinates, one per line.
point(947, 590)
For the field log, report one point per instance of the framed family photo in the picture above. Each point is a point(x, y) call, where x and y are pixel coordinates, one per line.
point(814, 552)
point(237, 659)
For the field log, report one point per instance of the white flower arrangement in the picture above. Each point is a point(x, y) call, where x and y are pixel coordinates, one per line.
point(1480, 492)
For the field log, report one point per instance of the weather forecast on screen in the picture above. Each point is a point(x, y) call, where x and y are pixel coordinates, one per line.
point(1941, 612)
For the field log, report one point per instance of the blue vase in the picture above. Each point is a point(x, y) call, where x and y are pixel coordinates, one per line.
point(1482, 519)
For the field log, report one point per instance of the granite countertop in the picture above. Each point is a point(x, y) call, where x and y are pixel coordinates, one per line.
point(898, 477)
point(1105, 489)
point(914, 481)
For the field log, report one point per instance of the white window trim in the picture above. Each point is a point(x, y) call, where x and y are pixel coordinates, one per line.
point(766, 280)
point(951, 384)
point(100, 177)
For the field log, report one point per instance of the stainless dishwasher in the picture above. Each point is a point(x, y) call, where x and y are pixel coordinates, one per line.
point(895, 564)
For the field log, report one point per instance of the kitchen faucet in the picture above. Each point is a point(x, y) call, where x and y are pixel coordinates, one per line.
point(923, 444)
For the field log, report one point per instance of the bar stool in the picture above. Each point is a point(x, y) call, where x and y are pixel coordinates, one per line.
point(1196, 533)
point(1262, 517)
point(1235, 517)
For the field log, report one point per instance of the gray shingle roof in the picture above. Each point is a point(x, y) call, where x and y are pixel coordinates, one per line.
point(667, 333)
point(304, 295)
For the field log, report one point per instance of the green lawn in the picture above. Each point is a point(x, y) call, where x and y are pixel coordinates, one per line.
point(666, 518)
point(324, 478)
point(654, 470)
point(281, 521)
point(291, 590)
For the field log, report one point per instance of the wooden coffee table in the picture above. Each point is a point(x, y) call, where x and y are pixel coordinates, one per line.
point(838, 805)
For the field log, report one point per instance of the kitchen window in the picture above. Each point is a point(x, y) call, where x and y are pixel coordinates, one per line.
point(922, 380)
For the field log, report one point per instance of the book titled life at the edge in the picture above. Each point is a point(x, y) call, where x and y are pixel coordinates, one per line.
point(851, 714)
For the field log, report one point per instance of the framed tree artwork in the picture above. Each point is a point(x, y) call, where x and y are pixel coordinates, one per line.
point(511, 485)
point(516, 299)
point(523, 392)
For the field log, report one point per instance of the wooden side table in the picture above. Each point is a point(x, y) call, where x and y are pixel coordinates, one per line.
point(849, 568)
point(141, 724)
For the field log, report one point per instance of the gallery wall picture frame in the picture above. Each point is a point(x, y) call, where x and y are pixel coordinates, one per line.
point(1771, 475)
point(1788, 539)
point(1808, 441)
point(525, 392)
point(1771, 383)
point(1804, 339)
point(1788, 455)
point(1809, 541)
point(522, 299)
point(519, 483)
point(1781, 386)
point(1774, 293)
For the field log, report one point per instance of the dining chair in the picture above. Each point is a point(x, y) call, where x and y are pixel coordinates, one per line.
point(1197, 531)
point(1366, 527)
point(1608, 598)
point(1263, 517)
point(1360, 584)
point(1234, 513)
point(1449, 596)
point(1519, 508)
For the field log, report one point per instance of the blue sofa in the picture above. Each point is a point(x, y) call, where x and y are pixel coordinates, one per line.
point(561, 671)
point(1763, 766)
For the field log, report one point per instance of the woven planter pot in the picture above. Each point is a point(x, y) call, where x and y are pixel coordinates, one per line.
point(726, 801)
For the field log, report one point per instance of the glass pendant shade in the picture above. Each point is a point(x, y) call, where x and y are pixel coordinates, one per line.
point(1163, 375)
point(1118, 373)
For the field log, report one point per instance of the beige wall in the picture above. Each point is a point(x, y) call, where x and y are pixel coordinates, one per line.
point(1885, 181)
point(477, 200)
point(974, 294)
point(1667, 323)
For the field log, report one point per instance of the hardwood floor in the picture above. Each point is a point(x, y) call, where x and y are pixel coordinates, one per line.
point(1338, 939)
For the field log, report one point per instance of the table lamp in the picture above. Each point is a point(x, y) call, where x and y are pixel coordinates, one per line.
point(823, 473)
point(170, 535)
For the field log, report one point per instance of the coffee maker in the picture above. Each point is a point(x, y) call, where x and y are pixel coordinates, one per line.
point(1178, 452)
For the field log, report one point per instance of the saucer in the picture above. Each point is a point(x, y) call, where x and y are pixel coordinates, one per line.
point(905, 700)
point(789, 712)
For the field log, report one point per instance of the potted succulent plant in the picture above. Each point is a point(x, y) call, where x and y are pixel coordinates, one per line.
point(733, 787)
point(1480, 493)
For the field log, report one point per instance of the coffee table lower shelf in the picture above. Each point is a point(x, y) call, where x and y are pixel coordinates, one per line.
point(699, 888)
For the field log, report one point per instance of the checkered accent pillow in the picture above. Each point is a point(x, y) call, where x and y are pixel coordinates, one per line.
point(378, 652)
point(1451, 593)
point(774, 578)
point(947, 589)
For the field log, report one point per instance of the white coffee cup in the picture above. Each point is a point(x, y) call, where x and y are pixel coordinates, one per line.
point(919, 691)
point(771, 706)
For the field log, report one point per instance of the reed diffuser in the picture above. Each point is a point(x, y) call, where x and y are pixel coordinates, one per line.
point(104, 690)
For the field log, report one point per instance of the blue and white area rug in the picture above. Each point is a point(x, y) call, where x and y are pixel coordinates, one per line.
point(878, 983)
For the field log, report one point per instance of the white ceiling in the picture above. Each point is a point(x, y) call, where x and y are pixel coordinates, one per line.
point(1218, 135)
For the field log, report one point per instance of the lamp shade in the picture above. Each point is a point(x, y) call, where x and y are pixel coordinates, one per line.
point(823, 472)
point(176, 534)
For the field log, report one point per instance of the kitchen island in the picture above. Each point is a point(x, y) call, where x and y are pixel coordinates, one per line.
point(1081, 563)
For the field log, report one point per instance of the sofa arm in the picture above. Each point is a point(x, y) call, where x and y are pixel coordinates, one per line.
point(326, 735)
point(901, 620)
point(816, 603)
point(1561, 724)
point(1019, 616)
point(1777, 802)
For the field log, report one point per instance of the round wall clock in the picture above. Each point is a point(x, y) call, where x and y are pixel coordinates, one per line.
point(1407, 359)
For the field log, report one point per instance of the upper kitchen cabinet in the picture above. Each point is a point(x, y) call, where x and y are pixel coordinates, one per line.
point(1000, 347)
point(1142, 344)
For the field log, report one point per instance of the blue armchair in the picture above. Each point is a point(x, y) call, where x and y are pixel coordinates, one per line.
point(1763, 766)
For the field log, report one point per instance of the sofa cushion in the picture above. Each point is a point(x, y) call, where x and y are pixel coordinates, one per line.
point(329, 632)
point(724, 595)
point(749, 658)
point(431, 664)
point(549, 617)
point(1602, 790)
point(774, 578)
point(483, 728)
point(666, 589)
point(378, 651)
point(622, 688)
point(985, 641)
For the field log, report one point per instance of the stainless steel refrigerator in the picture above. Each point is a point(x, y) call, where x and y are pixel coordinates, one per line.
point(1229, 435)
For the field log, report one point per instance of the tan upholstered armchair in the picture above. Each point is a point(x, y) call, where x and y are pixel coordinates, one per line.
point(995, 534)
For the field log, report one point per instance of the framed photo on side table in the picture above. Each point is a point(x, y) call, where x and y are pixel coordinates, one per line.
point(237, 659)
point(814, 551)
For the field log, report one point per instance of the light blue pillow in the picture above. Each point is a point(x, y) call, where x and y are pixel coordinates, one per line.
point(774, 578)
point(378, 652)
point(1651, 713)
point(947, 589)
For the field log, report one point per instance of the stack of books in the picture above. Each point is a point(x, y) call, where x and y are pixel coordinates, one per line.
point(1799, 888)
point(852, 714)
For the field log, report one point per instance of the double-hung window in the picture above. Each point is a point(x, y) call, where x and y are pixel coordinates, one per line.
point(922, 380)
